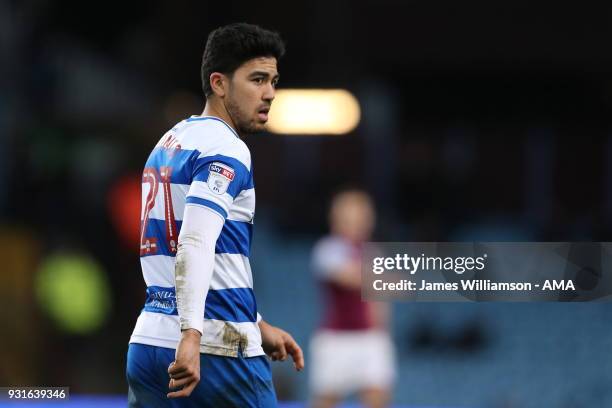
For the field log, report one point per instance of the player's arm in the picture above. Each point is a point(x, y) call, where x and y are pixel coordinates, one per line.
point(193, 273)
point(277, 343)
point(331, 263)
point(347, 275)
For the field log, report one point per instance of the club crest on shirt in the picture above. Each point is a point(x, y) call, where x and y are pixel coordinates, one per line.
point(219, 177)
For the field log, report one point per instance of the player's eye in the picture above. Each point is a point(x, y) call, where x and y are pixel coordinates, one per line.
point(258, 80)
point(275, 83)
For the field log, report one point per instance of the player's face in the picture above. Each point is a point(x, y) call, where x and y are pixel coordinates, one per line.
point(353, 217)
point(252, 89)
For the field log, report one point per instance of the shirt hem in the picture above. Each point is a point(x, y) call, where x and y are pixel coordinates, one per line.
point(213, 349)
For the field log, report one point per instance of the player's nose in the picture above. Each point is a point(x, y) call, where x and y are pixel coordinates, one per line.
point(269, 93)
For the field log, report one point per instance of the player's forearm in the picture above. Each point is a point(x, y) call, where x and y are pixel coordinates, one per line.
point(263, 326)
point(194, 264)
point(192, 279)
point(348, 277)
point(267, 333)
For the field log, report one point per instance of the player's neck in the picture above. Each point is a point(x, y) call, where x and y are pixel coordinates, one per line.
point(213, 108)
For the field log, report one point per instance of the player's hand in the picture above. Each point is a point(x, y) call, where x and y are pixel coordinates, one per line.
point(277, 343)
point(184, 371)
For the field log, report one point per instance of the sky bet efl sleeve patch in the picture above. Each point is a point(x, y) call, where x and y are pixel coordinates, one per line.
point(220, 176)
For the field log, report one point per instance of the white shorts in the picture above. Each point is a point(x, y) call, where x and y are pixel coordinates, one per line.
point(343, 362)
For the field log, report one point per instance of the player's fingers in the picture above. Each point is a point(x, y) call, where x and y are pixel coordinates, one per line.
point(178, 371)
point(177, 375)
point(174, 368)
point(279, 354)
point(185, 392)
point(282, 352)
point(296, 353)
point(174, 383)
point(298, 359)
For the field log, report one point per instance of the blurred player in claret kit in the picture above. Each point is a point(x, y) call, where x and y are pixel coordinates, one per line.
point(352, 350)
point(199, 341)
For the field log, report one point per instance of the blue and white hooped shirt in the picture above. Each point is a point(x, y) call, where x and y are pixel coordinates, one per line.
point(200, 161)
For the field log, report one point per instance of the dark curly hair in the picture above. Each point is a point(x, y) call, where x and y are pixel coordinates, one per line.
point(228, 47)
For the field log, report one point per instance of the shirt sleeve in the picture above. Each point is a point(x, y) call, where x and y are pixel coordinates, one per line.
point(195, 260)
point(329, 257)
point(216, 181)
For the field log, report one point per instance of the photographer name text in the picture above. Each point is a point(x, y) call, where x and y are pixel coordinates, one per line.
point(472, 285)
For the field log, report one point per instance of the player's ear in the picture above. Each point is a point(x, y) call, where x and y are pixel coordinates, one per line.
point(218, 84)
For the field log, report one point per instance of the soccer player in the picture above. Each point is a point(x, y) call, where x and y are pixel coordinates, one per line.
point(352, 350)
point(199, 340)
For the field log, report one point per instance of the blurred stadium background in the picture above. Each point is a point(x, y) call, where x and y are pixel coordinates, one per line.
point(482, 121)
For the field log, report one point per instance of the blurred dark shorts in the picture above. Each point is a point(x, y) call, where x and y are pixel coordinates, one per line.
point(224, 381)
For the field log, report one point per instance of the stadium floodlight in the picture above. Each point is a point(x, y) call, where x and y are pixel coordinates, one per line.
point(314, 112)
